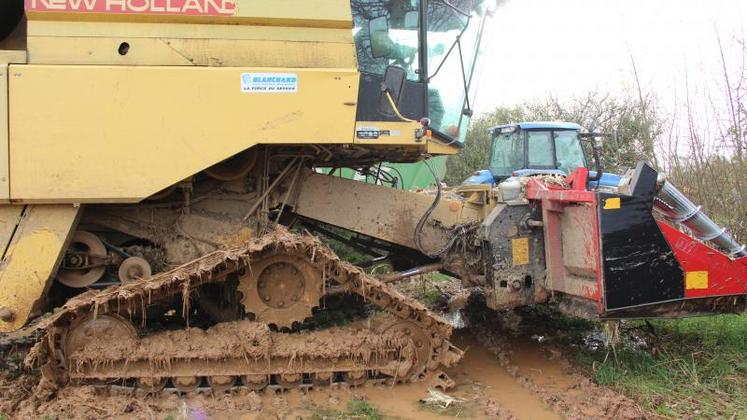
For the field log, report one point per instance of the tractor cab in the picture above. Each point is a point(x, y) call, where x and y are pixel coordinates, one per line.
point(552, 148)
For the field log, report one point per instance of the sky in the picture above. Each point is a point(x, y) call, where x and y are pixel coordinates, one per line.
point(533, 48)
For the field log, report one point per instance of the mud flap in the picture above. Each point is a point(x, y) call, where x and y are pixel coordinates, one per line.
point(32, 241)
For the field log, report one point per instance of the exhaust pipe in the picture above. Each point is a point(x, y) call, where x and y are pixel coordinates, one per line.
point(677, 208)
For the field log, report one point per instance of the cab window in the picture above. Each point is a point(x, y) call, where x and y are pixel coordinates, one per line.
point(507, 154)
point(570, 154)
point(386, 32)
point(540, 150)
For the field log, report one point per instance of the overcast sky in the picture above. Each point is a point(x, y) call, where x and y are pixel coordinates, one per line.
point(568, 47)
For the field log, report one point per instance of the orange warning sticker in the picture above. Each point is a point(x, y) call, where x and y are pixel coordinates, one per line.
point(612, 203)
point(696, 280)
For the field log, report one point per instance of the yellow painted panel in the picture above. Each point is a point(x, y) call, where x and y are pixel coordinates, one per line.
point(12, 56)
point(32, 259)
point(696, 280)
point(120, 134)
point(4, 183)
point(191, 52)
point(10, 215)
point(436, 147)
point(316, 13)
point(612, 203)
point(520, 251)
point(187, 31)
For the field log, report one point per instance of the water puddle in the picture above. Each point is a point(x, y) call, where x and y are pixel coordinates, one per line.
point(487, 389)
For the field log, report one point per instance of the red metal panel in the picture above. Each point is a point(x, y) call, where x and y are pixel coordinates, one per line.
point(555, 199)
point(538, 190)
point(725, 276)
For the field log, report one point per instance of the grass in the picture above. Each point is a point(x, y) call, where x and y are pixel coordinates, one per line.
point(356, 409)
point(695, 368)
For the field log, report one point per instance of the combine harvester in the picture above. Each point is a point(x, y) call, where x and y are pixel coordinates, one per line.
point(151, 149)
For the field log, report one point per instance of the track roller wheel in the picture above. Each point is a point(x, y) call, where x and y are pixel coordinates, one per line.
point(221, 383)
point(186, 383)
point(235, 167)
point(356, 377)
point(290, 380)
point(82, 266)
point(255, 382)
point(133, 269)
point(423, 348)
point(322, 379)
point(151, 385)
point(90, 329)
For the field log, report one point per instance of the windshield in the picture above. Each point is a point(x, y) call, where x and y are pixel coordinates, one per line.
point(570, 154)
point(507, 154)
point(545, 149)
point(386, 32)
point(453, 34)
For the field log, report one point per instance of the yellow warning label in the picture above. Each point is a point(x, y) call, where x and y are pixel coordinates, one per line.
point(696, 280)
point(520, 250)
point(612, 203)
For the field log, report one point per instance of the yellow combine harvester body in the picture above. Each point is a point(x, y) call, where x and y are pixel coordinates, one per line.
point(112, 101)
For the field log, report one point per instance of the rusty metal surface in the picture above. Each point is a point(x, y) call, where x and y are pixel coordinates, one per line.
point(384, 213)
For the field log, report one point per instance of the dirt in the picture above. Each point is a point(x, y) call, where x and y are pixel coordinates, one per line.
point(503, 375)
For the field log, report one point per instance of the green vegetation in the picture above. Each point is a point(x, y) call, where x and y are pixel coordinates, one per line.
point(357, 409)
point(695, 368)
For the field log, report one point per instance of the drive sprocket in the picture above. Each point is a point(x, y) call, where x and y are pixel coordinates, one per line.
point(281, 289)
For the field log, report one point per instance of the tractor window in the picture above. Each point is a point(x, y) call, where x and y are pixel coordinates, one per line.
point(540, 150)
point(386, 32)
point(570, 155)
point(507, 154)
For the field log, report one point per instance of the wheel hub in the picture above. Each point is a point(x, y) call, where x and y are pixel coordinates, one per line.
point(281, 289)
point(281, 284)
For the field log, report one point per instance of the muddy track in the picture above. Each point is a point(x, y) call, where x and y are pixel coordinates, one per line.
point(409, 343)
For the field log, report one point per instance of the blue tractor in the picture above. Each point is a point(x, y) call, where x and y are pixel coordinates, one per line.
point(536, 148)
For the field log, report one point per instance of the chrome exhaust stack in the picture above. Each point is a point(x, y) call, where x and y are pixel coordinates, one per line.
point(677, 208)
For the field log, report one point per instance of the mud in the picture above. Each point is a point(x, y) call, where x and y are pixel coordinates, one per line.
point(502, 375)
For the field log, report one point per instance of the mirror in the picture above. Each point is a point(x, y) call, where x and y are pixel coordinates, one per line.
point(412, 20)
point(394, 83)
point(381, 44)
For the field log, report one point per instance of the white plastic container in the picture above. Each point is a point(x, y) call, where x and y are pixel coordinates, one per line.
point(510, 189)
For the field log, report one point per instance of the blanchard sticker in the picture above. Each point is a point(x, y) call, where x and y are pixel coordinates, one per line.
point(150, 7)
point(269, 82)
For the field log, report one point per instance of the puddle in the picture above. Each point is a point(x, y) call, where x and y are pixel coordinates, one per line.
point(480, 380)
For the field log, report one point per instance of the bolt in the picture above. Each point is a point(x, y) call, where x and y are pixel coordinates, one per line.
point(266, 298)
point(516, 285)
point(281, 304)
point(6, 315)
point(407, 331)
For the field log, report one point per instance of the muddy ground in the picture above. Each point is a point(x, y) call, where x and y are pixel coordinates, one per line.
point(511, 370)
